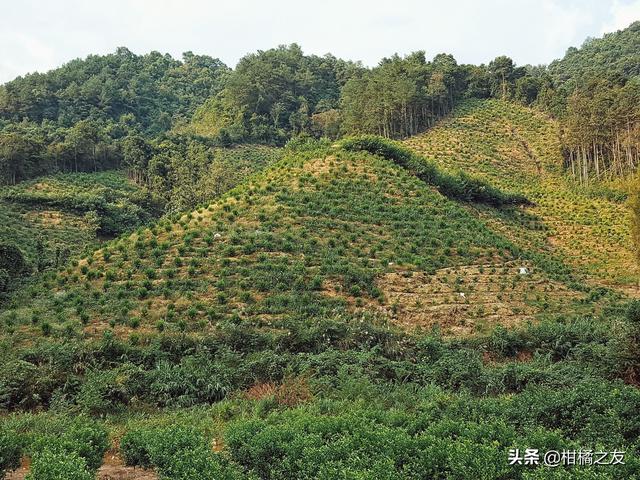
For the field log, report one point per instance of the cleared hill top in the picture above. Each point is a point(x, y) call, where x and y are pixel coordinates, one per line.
point(518, 149)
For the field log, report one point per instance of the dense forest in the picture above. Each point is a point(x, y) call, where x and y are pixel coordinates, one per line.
point(117, 110)
point(168, 123)
point(80, 117)
point(597, 99)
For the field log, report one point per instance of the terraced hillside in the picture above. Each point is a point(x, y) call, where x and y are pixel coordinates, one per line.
point(321, 233)
point(518, 149)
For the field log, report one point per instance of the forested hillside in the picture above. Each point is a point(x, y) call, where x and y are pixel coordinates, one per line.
point(303, 268)
point(598, 102)
point(151, 91)
point(77, 117)
point(86, 115)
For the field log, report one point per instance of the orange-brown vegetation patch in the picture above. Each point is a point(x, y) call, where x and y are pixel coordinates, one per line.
point(291, 392)
point(47, 218)
point(469, 299)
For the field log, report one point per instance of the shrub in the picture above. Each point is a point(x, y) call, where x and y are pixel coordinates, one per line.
point(12, 260)
point(460, 186)
point(20, 385)
point(5, 280)
point(58, 465)
point(197, 379)
point(198, 462)
point(103, 391)
point(610, 409)
point(178, 453)
point(633, 312)
point(505, 342)
point(10, 451)
point(134, 447)
point(170, 442)
point(83, 437)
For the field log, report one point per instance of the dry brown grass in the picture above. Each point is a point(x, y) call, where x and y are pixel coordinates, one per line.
point(291, 392)
point(467, 299)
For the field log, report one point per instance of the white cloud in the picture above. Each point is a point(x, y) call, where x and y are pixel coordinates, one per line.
point(623, 14)
point(28, 51)
point(39, 34)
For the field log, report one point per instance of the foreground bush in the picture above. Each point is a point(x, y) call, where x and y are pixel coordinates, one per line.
point(59, 465)
point(304, 445)
point(10, 451)
point(134, 448)
point(199, 462)
point(437, 438)
point(178, 453)
point(83, 438)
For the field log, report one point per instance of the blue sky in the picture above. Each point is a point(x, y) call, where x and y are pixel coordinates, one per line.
point(37, 35)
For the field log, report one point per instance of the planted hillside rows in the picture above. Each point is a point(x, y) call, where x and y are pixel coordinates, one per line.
point(460, 186)
point(519, 151)
point(318, 238)
point(333, 315)
point(56, 218)
point(221, 273)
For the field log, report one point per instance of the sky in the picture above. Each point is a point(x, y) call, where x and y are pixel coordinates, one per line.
point(38, 35)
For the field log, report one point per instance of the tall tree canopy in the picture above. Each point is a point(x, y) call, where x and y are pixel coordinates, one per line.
point(598, 101)
point(114, 110)
point(154, 89)
point(273, 94)
point(401, 96)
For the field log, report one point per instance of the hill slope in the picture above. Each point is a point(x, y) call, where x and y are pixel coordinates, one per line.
point(273, 348)
point(518, 149)
point(53, 218)
point(320, 234)
point(614, 56)
point(153, 89)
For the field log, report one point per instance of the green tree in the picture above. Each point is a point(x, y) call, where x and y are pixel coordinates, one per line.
point(19, 157)
point(501, 76)
point(136, 153)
